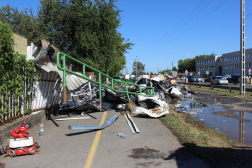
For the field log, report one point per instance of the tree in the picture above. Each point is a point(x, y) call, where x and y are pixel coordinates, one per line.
point(85, 28)
point(139, 68)
point(204, 56)
point(168, 71)
point(174, 69)
point(23, 23)
point(189, 64)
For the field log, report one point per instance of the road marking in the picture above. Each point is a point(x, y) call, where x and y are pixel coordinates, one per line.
point(95, 144)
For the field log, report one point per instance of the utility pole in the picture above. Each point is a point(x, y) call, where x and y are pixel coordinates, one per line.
point(242, 48)
point(136, 66)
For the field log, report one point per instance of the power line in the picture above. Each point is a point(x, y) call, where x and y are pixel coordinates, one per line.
point(175, 27)
point(192, 26)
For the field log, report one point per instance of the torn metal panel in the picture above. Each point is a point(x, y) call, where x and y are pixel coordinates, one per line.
point(71, 118)
point(131, 124)
point(151, 102)
point(152, 106)
point(106, 124)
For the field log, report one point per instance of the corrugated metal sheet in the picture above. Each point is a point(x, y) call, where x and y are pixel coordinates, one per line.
point(50, 87)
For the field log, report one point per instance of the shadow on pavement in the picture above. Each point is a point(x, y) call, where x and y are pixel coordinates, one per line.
point(79, 133)
point(216, 157)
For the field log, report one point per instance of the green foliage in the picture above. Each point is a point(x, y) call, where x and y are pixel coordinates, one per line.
point(189, 64)
point(168, 71)
point(15, 72)
point(174, 69)
point(23, 23)
point(85, 27)
point(204, 56)
point(139, 67)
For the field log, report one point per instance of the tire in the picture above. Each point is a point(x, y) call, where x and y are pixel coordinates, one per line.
point(1, 151)
point(12, 153)
point(28, 125)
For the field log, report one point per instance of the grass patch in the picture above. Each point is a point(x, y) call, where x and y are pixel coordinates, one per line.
point(190, 130)
point(207, 143)
point(221, 91)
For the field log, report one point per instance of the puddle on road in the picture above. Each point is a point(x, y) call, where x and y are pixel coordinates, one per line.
point(222, 115)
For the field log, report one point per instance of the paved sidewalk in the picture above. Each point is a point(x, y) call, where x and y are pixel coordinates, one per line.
point(154, 146)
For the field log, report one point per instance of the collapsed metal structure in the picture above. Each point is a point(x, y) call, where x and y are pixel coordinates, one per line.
point(59, 85)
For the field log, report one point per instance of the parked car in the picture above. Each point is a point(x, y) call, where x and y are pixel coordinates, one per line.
point(219, 80)
point(208, 79)
point(199, 79)
point(234, 79)
point(227, 76)
point(192, 79)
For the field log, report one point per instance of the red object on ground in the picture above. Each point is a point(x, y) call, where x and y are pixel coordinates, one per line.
point(22, 133)
point(22, 151)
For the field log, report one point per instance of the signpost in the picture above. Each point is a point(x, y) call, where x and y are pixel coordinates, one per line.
point(207, 72)
point(186, 72)
point(249, 75)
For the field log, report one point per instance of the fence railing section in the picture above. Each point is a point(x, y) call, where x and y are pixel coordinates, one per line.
point(61, 64)
point(14, 105)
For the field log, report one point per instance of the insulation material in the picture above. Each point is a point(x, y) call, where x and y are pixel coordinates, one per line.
point(152, 106)
point(150, 112)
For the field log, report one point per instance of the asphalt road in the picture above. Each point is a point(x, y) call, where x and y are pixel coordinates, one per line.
point(154, 146)
point(233, 86)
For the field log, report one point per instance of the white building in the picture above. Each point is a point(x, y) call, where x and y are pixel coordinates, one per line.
point(227, 64)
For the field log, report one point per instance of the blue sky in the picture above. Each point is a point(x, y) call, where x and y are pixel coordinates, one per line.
point(165, 31)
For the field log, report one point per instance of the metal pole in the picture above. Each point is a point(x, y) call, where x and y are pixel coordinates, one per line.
point(136, 66)
point(242, 48)
point(241, 127)
point(64, 81)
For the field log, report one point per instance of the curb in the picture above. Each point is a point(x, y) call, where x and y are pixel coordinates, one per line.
point(35, 118)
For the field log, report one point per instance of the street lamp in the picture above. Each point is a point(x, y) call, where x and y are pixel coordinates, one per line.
point(172, 64)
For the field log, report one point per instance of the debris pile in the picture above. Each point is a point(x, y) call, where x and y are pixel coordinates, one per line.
point(139, 100)
point(87, 98)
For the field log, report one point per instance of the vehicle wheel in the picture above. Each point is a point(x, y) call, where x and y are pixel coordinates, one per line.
point(1, 151)
point(28, 125)
point(12, 153)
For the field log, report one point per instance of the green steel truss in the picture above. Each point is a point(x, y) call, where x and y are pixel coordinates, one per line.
point(61, 64)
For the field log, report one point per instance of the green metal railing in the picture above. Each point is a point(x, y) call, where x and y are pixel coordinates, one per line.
point(99, 82)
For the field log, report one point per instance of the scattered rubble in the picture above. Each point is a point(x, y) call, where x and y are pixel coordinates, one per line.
point(87, 99)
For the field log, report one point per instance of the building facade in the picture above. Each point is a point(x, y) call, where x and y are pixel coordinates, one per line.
point(227, 64)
